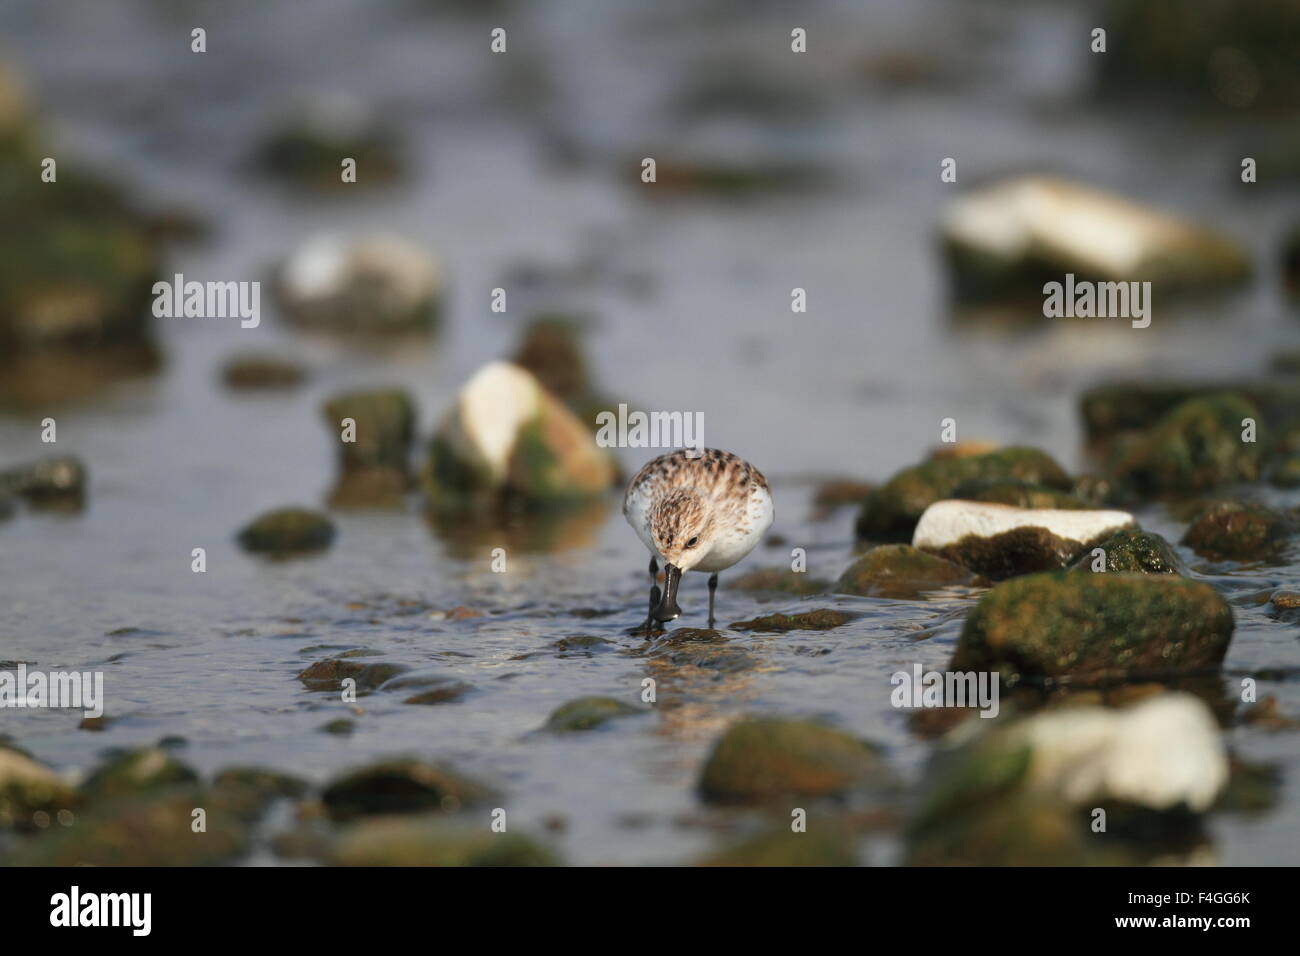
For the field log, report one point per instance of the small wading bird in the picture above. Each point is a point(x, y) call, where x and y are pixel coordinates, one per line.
point(695, 514)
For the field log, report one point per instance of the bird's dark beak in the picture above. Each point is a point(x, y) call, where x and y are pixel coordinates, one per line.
point(668, 609)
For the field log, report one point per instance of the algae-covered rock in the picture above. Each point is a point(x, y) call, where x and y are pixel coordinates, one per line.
point(288, 531)
point(1236, 530)
point(824, 843)
point(822, 619)
point(155, 829)
point(899, 571)
point(892, 510)
point(1019, 494)
point(257, 370)
point(28, 788)
point(1196, 446)
point(780, 580)
point(509, 442)
point(374, 285)
point(374, 431)
point(767, 759)
point(588, 713)
point(1014, 236)
point(77, 261)
point(1001, 541)
point(401, 786)
point(134, 773)
point(1132, 549)
point(434, 841)
point(1095, 627)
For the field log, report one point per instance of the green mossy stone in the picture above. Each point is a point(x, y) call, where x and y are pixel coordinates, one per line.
point(823, 619)
point(288, 531)
point(136, 772)
point(822, 844)
point(899, 571)
point(1132, 549)
point(588, 713)
point(1238, 531)
point(767, 759)
point(385, 427)
point(434, 841)
point(890, 513)
point(1196, 446)
point(1094, 628)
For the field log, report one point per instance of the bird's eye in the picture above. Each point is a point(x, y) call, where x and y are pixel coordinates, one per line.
point(693, 542)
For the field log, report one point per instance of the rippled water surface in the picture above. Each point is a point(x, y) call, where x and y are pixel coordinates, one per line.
point(524, 165)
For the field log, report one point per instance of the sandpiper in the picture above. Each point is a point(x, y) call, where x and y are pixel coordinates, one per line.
point(696, 514)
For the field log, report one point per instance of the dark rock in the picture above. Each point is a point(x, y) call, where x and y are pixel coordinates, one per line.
point(1238, 531)
point(256, 371)
point(330, 673)
point(374, 469)
point(49, 482)
point(781, 580)
point(401, 786)
point(824, 843)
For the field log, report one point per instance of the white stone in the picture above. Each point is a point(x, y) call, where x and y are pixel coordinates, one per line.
point(947, 522)
point(1075, 226)
point(1158, 754)
point(327, 266)
point(494, 405)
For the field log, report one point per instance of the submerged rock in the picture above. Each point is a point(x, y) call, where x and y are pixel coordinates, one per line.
point(374, 468)
point(261, 371)
point(1095, 628)
point(380, 285)
point(28, 788)
point(434, 841)
point(891, 512)
point(288, 531)
point(1132, 549)
point(588, 713)
point(329, 674)
point(401, 786)
point(1014, 236)
point(510, 442)
point(1196, 446)
point(153, 830)
point(899, 571)
point(768, 759)
point(822, 619)
point(781, 580)
point(1001, 541)
point(1238, 531)
point(136, 772)
point(824, 843)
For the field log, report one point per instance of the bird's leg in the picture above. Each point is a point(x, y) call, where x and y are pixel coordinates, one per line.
point(713, 586)
point(654, 596)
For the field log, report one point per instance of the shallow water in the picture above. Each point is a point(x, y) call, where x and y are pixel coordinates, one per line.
point(691, 300)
